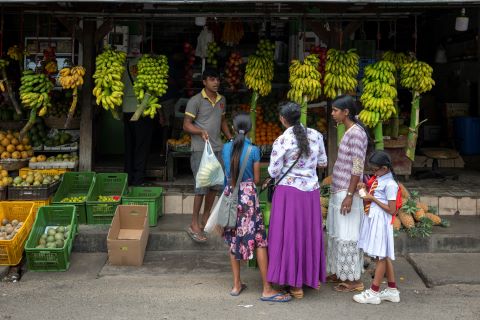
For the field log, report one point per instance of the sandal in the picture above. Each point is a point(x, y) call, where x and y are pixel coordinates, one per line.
point(196, 236)
point(278, 297)
point(296, 293)
point(345, 287)
point(333, 279)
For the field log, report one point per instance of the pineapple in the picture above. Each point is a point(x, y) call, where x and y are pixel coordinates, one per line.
point(405, 194)
point(397, 224)
point(406, 219)
point(324, 212)
point(419, 214)
point(324, 201)
point(434, 218)
point(422, 206)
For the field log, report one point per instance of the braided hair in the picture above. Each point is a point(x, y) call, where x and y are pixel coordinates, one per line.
point(242, 125)
point(291, 113)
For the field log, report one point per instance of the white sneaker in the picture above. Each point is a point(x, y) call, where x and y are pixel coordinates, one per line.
point(390, 294)
point(368, 296)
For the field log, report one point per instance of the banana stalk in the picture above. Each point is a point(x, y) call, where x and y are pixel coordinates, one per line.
point(73, 106)
point(396, 122)
point(30, 123)
point(413, 129)
point(378, 131)
point(10, 93)
point(253, 114)
point(116, 114)
point(304, 110)
point(141, 107)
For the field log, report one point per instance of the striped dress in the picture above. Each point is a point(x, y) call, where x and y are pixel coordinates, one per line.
point(344, 259)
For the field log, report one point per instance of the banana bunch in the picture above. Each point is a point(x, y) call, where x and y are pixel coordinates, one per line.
point(151, 79)
point(34, 91)
point(259, 69)
point(109, 69)
point(51, 67)
point(341, 70)
point(15, 53)
point(417, 76)
point(266, 48)
point(304, 79)
point(397, 58)
point(71, 78)
point(379, 93)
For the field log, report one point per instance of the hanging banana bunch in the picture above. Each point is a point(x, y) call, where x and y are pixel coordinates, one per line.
point(341, 70)
point(379, 93)
point(259, 75)
point(305, 82)
point(109, 69)
point(35, 95)
point(72, 78)
point(397, 58)
point(378, 97)
point(417, 77)
point(15, 53)
point(150, 84)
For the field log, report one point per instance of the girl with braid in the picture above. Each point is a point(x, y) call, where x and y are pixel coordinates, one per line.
point(296, 252)
point(382, 202)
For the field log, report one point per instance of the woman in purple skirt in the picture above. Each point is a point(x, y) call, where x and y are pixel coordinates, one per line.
point(296, 253)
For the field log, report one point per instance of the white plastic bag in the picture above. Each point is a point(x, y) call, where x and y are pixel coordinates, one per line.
point(211, 226)
point(210, 173)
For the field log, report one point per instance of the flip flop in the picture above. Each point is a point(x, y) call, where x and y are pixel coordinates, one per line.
point(236, 294)
point(344, 287)
point(195, 236)
point(274, 298)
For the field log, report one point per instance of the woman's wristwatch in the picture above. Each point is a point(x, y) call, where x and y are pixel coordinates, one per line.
point(349, 194)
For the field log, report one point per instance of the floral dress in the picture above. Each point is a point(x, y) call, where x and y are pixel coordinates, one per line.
point(249, 232)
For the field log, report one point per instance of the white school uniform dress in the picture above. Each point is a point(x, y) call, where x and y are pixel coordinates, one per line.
point(376, 232)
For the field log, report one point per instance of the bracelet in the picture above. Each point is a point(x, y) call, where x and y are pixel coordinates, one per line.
point(349, 194)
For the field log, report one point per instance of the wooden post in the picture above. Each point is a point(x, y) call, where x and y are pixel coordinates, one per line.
point(86, 121)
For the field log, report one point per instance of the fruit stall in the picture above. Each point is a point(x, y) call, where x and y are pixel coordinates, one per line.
point(63, 82)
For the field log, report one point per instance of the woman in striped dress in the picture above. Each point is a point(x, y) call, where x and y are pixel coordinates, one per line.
point(345, 210)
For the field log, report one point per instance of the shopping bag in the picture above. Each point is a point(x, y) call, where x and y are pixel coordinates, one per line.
point(210, 173)
point(227, 216)
point(212, 223)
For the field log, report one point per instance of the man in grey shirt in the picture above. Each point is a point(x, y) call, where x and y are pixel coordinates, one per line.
point(204, 118)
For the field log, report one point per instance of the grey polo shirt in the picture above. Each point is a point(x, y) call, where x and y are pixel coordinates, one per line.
point(130, 102)
point(207, 115)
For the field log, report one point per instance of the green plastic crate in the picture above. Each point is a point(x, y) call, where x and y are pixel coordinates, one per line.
point(149, 196)
point(105, 184)
point(57, 259)
point(75, 184)
point(265, 208)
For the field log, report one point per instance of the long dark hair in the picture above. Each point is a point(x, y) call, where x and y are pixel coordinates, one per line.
point(291, 113)
point(381, 158)
point(344, 102)
point(242, 126)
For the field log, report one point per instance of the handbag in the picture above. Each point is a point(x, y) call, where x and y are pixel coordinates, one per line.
point(270, 184)
point(227, 218)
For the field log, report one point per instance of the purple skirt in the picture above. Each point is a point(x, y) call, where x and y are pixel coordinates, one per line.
point(296, 255)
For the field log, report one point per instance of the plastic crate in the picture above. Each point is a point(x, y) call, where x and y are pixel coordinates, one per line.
point(56, 259)
point(32, 193)
point(48, 172)
point(75, 184)
point(11, 250)
point(150, 196)
point(105, 184)
point(265, 208)
point(38, 204)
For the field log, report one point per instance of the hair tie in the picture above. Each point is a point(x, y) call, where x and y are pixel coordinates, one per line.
point(241, 131)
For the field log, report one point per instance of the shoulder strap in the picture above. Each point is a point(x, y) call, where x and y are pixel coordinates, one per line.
point(242, 169)
point(285, 174)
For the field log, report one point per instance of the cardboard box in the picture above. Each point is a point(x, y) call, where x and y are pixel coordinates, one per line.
point(128, 236)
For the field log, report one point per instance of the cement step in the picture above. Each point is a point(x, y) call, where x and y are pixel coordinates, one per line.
point(463, 236)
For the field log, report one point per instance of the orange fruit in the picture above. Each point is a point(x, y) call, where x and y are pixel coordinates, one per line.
point(5, 142)
point(5, 155)
point(10, 148)
point(20, 147)
point(25, 141)
point(16, 155)
point(24, 154)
